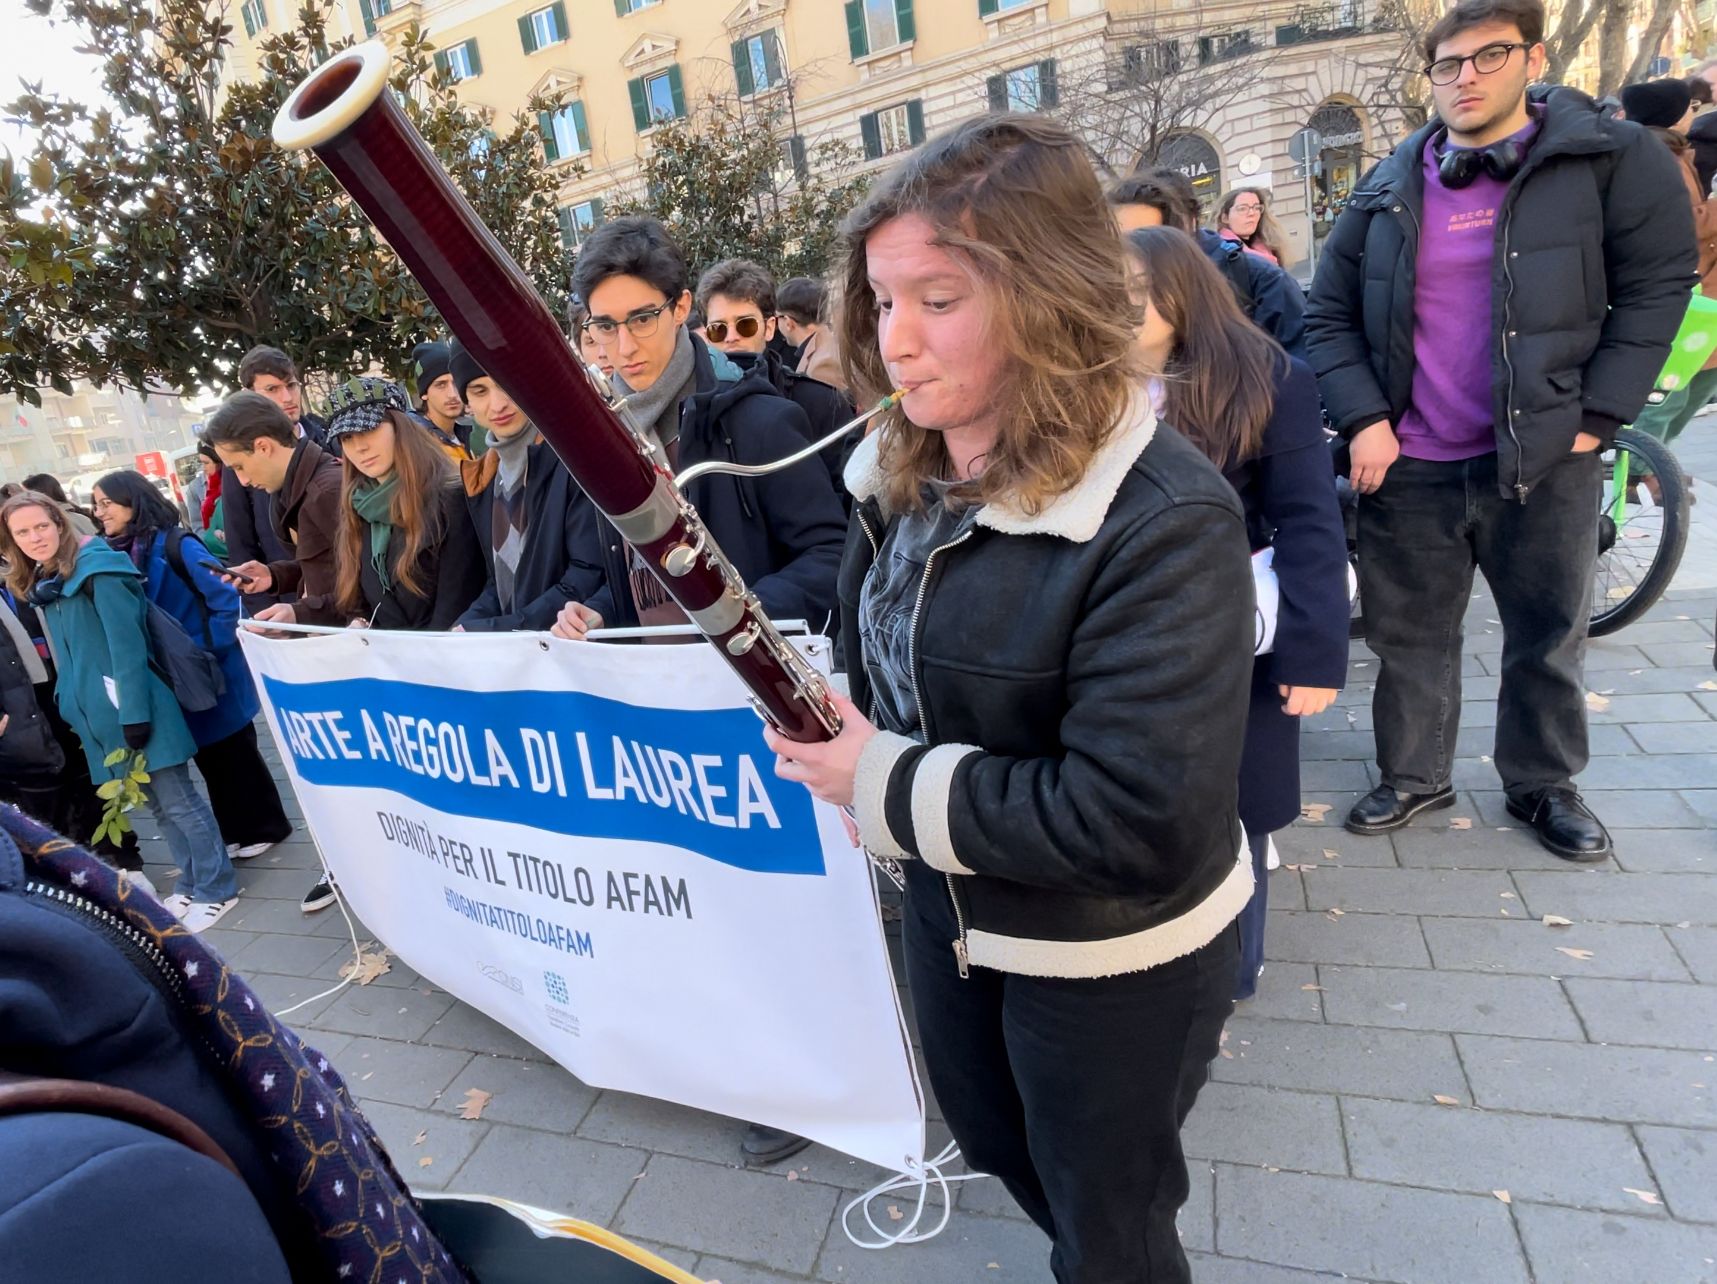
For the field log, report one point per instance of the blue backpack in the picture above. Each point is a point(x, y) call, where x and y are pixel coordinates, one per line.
point(191, 671)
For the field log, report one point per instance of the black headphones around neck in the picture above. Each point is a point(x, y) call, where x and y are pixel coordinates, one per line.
point(1460, 167)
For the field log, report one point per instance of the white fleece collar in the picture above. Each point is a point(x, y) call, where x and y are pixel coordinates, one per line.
point(1074, 515)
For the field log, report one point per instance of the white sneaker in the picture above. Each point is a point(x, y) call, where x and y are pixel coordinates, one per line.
point(138, 879)
point(246, 851)
point(178, 902)
point(199, 916)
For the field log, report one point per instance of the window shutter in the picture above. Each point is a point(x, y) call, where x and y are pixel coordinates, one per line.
point(545, 125)
point(796, 155)
point(596, 211)
point(676, 89)
point(857, 39)
point(527, 37)
point(472, 55)
point(250, 22)
point(561, 28)
point(742, 69)
point(915, 121)
point(907, 29)
point(368, 10)
point(871, 132)
point(261, 15)
point(622, 8)
point(441, 63)
point(772, 56)
point(987, 7)
point(1048, 92)
point(580, 127)
point(998, 89)
point(640, 104)
point(566, 226)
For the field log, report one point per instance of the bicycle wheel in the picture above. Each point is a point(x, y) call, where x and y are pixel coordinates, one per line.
point(1642, 529)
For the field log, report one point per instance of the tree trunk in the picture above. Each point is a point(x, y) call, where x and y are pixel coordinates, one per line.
point(1662, 14)
point(1613, 46)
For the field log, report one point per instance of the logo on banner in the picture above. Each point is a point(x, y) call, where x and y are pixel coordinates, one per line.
point(565, 761)
point(555, 984)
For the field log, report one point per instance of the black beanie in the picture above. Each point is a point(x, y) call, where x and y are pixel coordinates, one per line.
point(1660, 103)
point(429, 361)
point(464, 366)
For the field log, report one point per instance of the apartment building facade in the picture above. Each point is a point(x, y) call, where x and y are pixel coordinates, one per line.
point(1294, 97)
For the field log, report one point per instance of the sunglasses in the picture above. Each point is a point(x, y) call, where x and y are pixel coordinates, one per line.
point(745, 328)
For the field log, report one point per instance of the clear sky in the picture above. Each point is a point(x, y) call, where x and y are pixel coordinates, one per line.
point(33, 48)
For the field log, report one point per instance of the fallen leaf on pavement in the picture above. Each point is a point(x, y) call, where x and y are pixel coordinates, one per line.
point(1708, 685)
point(1336, 913)
point(1596, 701)
point(1556, 920)
point(1309, 986)
point(1644, 1196)
point(1315, 812)
point(475, 1100)
point(1441, 1100)
point(425, 1162)
point(1461, 822)
point(368, 965)
point(792, 1176)
point(1508, 896)
point(1329, 855)
point(1573, 953)
point(894, 1213)
point(418, 1140)
point(1504, 1196)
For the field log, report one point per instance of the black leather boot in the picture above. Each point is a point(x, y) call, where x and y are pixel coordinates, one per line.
point(1386, 808)
point(1564, 824)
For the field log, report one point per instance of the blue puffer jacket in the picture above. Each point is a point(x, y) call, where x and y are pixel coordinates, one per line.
point(101, 647)
point(208, 608)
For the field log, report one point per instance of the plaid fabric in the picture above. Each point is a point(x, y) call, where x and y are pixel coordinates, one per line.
point(368, 1226)
point(360, 405)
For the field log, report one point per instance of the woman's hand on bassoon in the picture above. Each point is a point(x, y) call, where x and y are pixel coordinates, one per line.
point(827, 767)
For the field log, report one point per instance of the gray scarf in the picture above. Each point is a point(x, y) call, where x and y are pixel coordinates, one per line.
point(513, 453)
point(657, 408)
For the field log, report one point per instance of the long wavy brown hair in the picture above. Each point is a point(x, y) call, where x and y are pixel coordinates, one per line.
point(424, 470)
point(1220, 380)
point(1013, 197)
point(1270, 233)
point(21, 571)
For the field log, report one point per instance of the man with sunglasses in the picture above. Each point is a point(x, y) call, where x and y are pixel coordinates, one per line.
point(737, 298)
point(1497, 298)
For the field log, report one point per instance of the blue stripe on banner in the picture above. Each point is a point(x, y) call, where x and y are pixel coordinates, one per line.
point(561, 761)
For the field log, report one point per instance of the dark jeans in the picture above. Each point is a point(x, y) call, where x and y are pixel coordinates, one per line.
point(1073, 1092)
point(1420, 536)
point(242, 794)
point(1252, 920)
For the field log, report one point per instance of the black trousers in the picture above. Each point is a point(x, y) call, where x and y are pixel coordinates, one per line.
point(1073, 1092)
point(242, 794)
point(1420, 537)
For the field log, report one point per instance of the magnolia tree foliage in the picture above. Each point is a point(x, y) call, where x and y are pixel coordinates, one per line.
point(157, 235)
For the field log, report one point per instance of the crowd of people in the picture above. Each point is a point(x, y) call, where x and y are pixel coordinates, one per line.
point(1048, 568)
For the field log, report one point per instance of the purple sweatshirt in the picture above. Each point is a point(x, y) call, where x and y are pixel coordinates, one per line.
point(1451, 414)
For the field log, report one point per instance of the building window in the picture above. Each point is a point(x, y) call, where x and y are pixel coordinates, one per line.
point(757, 62)
point(988, 7)
point(564, 132)
point(371, 10)
point(879, 24)
point(255, 16)
point(578, 221)
point(893, 129)
point(543, 27)
point(1144, 64)
point(460, 62)
point(1028, 88)
point(624, 7)
point(1228, 44)
point(657, 97)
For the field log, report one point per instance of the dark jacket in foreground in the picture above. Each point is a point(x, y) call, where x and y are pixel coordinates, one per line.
point(1083, 678)
point(1595, 259)
point(826, 408)
point(783, 532)
point(1273, 299)
point(1288, 492)
point(307, 514)
point(449, 569)
point(560, 533)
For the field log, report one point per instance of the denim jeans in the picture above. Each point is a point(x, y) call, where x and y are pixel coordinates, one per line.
point(1420, 537)
point(1252, 920)
point(193, 839)
point(1072, 1092)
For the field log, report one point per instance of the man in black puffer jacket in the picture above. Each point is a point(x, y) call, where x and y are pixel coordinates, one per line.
point(1497, 298)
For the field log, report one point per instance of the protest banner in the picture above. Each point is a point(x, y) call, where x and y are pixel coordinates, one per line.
point(588, 843)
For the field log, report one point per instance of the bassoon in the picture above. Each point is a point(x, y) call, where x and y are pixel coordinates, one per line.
point(345, 113)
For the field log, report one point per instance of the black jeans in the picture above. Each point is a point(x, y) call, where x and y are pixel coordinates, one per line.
point(242, 794)
point(1073, 1092)
point(1420, 536)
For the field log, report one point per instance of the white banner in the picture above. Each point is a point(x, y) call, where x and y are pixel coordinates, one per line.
point(588, 842)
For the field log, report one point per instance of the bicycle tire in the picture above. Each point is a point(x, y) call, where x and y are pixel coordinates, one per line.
point(1674, 508)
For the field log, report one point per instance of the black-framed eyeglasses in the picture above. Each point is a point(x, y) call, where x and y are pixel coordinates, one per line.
point(744, 327)
point(1486, 61)
point(641, 323)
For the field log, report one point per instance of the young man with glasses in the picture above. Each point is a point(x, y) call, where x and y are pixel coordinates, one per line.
point(1497, 298)
point(737, 298)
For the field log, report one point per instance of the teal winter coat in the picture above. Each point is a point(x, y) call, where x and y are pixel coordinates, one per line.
point(101, 646)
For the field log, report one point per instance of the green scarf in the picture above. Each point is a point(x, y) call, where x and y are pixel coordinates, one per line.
point(374, 503)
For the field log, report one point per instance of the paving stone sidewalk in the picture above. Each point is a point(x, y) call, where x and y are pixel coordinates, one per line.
point(1432, 1085)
